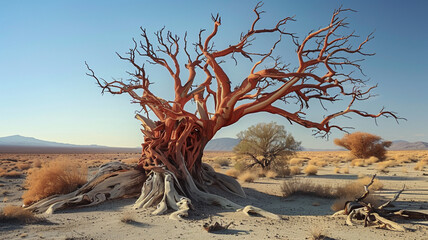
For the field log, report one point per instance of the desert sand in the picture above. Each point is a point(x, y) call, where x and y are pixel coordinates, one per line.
point(303, 216)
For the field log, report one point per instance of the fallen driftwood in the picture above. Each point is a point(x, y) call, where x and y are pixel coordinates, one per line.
point(377, 216)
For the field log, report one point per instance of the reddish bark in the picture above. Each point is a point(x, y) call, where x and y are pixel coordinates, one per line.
point(178, 137)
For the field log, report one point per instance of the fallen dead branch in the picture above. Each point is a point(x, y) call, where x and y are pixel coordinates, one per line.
point(377, 216)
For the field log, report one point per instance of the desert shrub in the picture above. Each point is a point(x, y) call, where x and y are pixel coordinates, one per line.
point(355, 189)
point(240, 166)
point(127, 217)
point(37, 163)
point(386, 164)
point(317, 234)
point(296, 161)
point(56, 177)
point(283, 170)
point(271, 174)
point(265, 144)
point(248, 176)
point(232, 172)
point(346, 170)
point(8, 173)
point(336, 170)
point(421, 165)
point(310, 170)
point(295, 170)
point(372, 160)
point(224, 162)
point(364, 145)
point(11, 214)
point(305, 187)
point(23, 166)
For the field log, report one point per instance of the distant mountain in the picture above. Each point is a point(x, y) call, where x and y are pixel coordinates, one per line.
point(21, 144)
point(405, 145)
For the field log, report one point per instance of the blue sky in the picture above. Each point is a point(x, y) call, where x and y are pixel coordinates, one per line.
point(44, 44)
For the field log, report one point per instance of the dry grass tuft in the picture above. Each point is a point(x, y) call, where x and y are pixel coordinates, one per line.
point(358, 162)
point(17, 214)
point(421, 165)
point(295, 170)
point(10, 173)
point(232, 172)
point(128, 217)
point(37, 163)
point(381, 166)
point(336, 170)
point(248, 176)
point(57, 177)
point(317, 234)
point(271, 174)
point(23, 166)
point(224, 162)
point(353, 190)
point(346, 170)
point(310, 170)
point(296, 161)
point(240, 166)
point(305, 187)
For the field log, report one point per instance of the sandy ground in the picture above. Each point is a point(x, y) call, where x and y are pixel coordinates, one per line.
point(301, 215)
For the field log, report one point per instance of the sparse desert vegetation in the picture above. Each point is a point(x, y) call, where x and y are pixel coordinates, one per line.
point(327, 184)
point(17, 214)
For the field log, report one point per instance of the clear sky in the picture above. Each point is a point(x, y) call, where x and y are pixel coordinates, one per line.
point(43, 46)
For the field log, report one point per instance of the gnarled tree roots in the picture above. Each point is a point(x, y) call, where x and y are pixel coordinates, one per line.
point(160, 189)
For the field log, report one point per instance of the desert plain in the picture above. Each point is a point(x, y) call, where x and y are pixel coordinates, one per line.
point(303, 215)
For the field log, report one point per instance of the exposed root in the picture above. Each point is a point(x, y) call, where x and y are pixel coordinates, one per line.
point(159, 189)
point(251, 210)
point(113, 180)
point(227, 183)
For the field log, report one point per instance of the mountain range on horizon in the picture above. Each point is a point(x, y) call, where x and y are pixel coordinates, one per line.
point(21, 144)
point(18, 142)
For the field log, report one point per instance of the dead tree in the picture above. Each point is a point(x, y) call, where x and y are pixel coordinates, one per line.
point(206, 99)
point(378, 216)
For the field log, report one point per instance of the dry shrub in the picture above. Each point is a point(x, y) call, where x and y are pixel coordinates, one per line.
point(240, 166)
point(23, 166)
point(271, 174)
point(295, 170)
point(336, 170)
point(10, 214)
point(386, 164)
point(346, 170)
point(372, 160)
point(296, 161)
point(317, 234)
point(364, 145)
point(377, 185)
point(358, 162)
point(282, 170)
point(310, 170)
point(260, 172)
point(353, 190)
point(305, 187)
point(232, 172)
point(421, 165)
point(37, 163)
point(224, 162)
point(56, 177)
point(10, 173)
point(248, 176)
point(128, 217)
